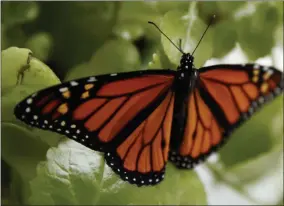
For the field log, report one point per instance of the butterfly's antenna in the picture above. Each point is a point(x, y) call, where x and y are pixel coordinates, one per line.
point(211, 20)
point(179, 44)
point(150, 22)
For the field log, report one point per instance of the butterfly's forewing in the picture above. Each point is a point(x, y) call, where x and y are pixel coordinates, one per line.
point(125, 115)
point(225, 97)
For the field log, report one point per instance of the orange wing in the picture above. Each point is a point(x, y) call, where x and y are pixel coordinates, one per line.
point(226, 96)
point(126, 115)
point(142, 156)
point(202, 134)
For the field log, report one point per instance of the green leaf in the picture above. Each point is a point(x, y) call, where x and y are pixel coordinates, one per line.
point(77, 28)
point(20, 150)
point(20, 67)
point(114, 56)
point(139, 12)
point(4, 37)
point(257, 166)
point(128, 30)
point(256, 137)
point(16, 189)
point(160, 61)
point(180, 187)
point(223, 10)
point(253, 29)
point(22, 74)
point(73, 174)
point(41, 44)
point(228, 8)
point(207, 9)
point(156, 62)
point(179, 25)
point(13, 36)
point(224, 38)
point(14, 61)
point(166, 6)
point(19, 12)
point(5, 182)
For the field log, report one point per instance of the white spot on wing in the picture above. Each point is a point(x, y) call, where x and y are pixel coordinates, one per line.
point(92, 79)
point(73, 83)
point(261, 100)
point(63, 89)
point(270, 71)
point(256, 66)
point(265, 68)
point(29, 100)
point(28, 110)
point(250, 110)
point(114, 74)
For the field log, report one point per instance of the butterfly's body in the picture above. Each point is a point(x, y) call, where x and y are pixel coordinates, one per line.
point(184, 83)
point(141, 119)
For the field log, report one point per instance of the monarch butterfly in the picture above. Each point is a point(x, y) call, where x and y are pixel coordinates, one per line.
point(142, 119)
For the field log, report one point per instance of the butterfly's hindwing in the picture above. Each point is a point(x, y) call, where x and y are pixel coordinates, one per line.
point(226, 96)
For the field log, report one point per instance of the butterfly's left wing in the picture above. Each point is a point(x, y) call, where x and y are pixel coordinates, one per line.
point(224, 98)
point(127, 116)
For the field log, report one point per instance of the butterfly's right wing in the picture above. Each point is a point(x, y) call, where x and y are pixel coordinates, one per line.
point(226, 96)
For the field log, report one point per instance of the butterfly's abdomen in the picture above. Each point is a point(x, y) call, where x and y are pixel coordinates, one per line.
point(184, 84)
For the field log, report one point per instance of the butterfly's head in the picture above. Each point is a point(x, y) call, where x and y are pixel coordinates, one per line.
point(186, 61)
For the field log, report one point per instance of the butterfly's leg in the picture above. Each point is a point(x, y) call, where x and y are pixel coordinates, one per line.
point(22, 70)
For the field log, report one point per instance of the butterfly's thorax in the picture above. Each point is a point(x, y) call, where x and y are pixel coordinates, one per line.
point(184, 83)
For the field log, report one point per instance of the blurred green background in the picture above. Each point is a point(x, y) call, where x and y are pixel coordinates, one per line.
point(50, 42)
